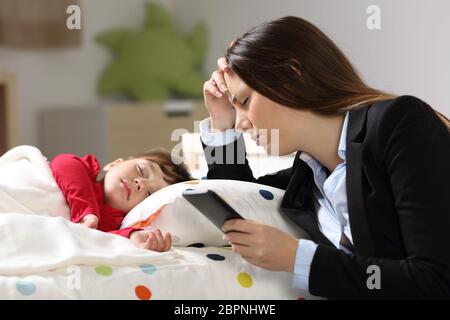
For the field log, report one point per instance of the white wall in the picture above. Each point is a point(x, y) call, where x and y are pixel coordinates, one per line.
point(67, 77)
point(409, 55)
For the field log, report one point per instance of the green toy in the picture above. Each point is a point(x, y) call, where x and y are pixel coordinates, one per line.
point(155, 63)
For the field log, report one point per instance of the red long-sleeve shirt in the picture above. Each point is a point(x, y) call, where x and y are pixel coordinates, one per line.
point(77, 179)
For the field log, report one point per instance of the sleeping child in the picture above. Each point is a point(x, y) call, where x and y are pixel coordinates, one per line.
point(103, 203)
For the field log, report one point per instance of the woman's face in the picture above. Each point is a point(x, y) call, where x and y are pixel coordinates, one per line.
point(128, 182)
point(267, 121)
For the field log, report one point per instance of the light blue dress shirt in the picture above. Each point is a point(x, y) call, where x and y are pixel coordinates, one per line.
point(330, 200)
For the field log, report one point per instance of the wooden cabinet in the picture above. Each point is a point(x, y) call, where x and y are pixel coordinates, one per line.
point(120, 130)
point(8, 112)
point(114, 131)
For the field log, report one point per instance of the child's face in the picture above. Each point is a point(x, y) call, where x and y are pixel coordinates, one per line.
point(128, 182)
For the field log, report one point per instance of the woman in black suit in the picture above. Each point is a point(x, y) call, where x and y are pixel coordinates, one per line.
point(370, 180)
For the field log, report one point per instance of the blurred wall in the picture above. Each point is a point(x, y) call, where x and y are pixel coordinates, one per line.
point(409, 55)
point(67, 77)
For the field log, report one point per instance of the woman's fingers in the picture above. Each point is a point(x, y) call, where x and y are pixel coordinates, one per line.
point(219, 80)
point(222, 64)
point(240, 225)
point(246, 252)
point(211, 88)
point(239, 238)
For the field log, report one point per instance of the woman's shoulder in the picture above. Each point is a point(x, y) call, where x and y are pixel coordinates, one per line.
point(404, 115)
point(390, 113)
point(400, 106)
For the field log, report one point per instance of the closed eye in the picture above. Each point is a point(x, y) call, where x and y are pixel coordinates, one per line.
point(141, 172)
point(245, 102)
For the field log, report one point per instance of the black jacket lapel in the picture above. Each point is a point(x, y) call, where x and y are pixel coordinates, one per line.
point(297, 201)
point(361, 232)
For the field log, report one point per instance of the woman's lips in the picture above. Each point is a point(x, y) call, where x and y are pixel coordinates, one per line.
point(127, 189)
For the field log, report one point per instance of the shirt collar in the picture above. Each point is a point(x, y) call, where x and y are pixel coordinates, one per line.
point(343, 140)
point(342, 147)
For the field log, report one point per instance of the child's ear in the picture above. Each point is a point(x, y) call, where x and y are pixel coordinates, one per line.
point(112, 164)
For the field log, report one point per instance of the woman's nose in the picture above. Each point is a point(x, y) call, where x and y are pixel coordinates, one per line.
point(242, 122)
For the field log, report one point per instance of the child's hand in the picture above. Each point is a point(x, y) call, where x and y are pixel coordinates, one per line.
point(90, 221)
point(152, 240)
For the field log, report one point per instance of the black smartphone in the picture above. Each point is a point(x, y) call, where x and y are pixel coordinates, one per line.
point(211, 205)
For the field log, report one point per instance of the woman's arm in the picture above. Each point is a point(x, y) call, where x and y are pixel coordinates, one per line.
point(230, 162)
point(223, 147)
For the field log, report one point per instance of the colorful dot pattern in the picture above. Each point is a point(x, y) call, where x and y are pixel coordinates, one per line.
point(103, 270)
point(215, 257)
point(142, 292)
point(148, 268)
point(244, 279)
point(266, 194)
point(197, 245)
point(25, 287)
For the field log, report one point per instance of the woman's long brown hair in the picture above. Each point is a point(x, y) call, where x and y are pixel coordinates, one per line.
point(292, 62)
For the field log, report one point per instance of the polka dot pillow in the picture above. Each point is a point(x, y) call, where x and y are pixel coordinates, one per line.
point(169, 211)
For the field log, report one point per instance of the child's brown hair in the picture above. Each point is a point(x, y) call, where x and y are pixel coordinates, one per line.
point(173, 168)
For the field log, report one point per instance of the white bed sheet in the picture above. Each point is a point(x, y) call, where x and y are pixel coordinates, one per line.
point(45, 257)
point(196, 273)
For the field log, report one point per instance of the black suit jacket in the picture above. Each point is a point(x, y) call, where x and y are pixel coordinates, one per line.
point(398, 191)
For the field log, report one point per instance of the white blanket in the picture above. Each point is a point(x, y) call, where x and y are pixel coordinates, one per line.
point(52, 258)
point(31, 244)
point(35, 234)
point(27, 184)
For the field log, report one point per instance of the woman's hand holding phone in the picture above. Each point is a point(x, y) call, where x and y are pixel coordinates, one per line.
point(261, 245)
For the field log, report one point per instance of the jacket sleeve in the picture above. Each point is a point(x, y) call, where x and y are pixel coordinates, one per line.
point(413, 147)
point(75, 181)
point(230, 162)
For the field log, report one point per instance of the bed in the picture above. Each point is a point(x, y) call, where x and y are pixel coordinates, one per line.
point(45, 256)
point(52, 258)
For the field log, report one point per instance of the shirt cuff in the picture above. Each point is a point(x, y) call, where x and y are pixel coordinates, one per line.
point(303, 259)
point(216, 139)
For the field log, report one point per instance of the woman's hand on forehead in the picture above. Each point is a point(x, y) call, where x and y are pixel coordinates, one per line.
point(222, 64)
